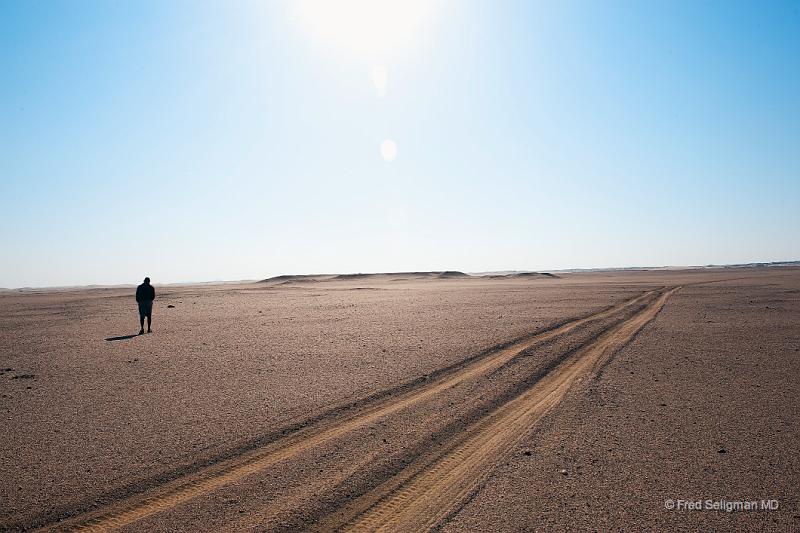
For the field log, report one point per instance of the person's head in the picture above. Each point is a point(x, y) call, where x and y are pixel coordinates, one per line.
point(147, 281)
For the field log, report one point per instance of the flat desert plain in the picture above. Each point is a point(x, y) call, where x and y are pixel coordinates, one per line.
point(637, 400)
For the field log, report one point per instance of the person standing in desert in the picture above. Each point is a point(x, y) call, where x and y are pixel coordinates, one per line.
point(145, 294)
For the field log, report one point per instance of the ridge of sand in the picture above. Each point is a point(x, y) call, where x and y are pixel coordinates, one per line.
point(522, 275)
point(311, 278)
point(401, 276)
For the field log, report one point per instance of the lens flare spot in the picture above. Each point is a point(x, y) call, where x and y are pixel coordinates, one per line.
point(380, 77)
point(388, 150)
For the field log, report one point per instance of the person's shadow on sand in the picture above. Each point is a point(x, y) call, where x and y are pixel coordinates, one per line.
point(121, 338)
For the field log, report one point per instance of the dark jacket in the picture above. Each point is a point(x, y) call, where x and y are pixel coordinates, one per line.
point(145, 293)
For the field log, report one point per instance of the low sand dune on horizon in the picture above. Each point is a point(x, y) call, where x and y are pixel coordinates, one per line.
point(287, 279)
point(405, 402)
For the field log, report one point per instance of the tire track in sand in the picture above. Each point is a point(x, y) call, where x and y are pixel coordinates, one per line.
point(215, 476)
point(424, 494)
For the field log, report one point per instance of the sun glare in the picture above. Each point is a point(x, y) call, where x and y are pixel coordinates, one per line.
point(365, 26)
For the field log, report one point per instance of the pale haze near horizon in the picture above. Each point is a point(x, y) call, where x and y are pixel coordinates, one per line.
point(196, 141)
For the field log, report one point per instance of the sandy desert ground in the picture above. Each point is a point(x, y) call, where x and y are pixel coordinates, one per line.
point(405, 403)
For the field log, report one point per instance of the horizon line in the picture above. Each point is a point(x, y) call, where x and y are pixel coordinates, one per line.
point(753, 264)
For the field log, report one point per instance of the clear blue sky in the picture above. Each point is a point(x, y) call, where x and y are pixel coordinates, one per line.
point(195, 141)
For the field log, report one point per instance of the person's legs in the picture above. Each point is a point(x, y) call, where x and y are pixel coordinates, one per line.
point(141, 320)
point(149, 316)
